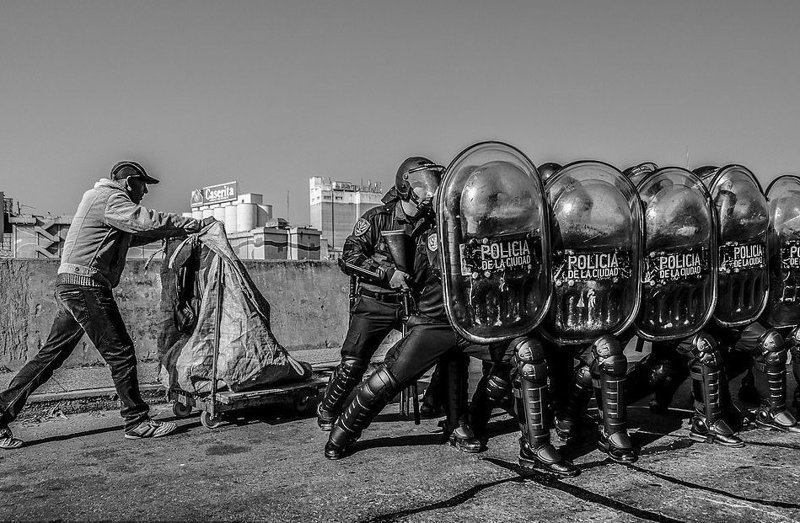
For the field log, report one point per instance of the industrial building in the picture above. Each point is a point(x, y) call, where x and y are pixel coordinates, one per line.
point(335, 207)
point(252, 231)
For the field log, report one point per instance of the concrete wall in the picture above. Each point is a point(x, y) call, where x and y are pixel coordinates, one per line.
point(308, 299)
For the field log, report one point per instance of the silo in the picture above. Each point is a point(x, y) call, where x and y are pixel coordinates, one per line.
point(246, 214)
point(206, 213)
point(263, 215)
point(197, 214)
point(219, 214)
point(230, 218)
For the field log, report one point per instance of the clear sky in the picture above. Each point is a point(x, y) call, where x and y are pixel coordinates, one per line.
point(272, 92)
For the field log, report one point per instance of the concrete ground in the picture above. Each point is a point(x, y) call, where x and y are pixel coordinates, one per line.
point(271, 467)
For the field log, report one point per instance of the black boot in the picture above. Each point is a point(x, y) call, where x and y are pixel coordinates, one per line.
point(773, 414)
point(708, 383)
point(543, 455)
point(609, 369)
point(371, 398)
point(530, 391)
point(345, 378)
point(461, 437)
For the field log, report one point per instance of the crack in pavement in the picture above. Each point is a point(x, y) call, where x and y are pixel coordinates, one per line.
point(448, 503)
point(544, 479)
point(689, 484)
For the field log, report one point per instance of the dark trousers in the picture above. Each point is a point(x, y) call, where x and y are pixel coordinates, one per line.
point(423, 346)
point(87, 310)
point(371, 320)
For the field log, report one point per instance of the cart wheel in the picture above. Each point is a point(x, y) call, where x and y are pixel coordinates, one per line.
point(181, 410)
point(305, 403)
point(210, 422)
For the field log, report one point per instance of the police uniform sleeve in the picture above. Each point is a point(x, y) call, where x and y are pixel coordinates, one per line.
point(358, 253)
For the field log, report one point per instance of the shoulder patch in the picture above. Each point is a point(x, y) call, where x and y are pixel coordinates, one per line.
point(433, 242)
point(361, 227)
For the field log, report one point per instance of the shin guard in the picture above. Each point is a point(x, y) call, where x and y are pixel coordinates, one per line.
point(530, 392)
point(770, 363)
point(345, 378)
point(371, 398)
point(609, 369)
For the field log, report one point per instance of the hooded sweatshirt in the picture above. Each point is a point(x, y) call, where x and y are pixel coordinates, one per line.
point(103, 229)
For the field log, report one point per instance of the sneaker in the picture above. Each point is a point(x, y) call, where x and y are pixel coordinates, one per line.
point(150, 429)
point(7, 440)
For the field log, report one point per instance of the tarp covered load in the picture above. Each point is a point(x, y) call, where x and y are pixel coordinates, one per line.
point(214, 286)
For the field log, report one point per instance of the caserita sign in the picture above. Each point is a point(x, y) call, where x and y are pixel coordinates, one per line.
point(224, 192)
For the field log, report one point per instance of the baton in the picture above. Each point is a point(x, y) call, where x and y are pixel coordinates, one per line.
point(412, 388)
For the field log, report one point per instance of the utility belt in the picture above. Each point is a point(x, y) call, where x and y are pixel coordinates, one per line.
point(386, 297)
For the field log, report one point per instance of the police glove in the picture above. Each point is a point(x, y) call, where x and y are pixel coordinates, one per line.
point(192, 226)
point(398, 280)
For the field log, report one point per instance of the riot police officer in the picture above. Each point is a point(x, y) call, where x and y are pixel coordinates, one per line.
point(494, 231)
point(783, 308)
point(596, 269)
point(679, 295)
point(376, 307)
point(429, 338)
point(744, 287)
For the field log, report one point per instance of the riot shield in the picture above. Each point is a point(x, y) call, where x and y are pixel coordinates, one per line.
point(742, 256)
point(596, 241)
point(640, 171)
point(783, 199)
point(679, 277)
point(494, 238)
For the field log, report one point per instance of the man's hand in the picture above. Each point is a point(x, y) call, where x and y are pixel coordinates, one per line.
point(398, 280)
point(192, 226)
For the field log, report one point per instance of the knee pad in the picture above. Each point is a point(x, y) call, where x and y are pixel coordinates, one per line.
point(380, 385)
point(529, 356)
point(771, 349)
point(704, 350)
point(609, 357)
point(583, 377)
point(497, 388)
point(350, 364)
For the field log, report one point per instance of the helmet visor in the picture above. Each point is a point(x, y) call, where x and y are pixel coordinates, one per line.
point(424, 181)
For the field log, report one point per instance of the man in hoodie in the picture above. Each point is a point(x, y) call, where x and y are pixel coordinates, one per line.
point(108, 221)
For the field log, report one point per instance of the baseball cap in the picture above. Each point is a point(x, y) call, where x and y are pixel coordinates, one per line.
point(128, 169)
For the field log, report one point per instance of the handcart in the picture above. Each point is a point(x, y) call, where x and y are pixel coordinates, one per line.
point(214, 406)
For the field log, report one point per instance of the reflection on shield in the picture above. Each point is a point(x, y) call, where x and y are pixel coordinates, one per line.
point(596, 243)
point(783, 199)
point(742, 226)
point(679, 279)
point(493, 234)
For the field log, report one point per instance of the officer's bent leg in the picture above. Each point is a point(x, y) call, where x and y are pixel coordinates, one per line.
point(370, 322)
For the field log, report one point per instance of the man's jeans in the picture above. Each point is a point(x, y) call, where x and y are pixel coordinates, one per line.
point(83, 309)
